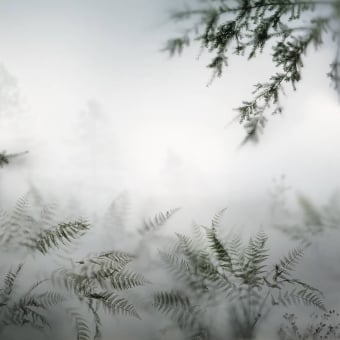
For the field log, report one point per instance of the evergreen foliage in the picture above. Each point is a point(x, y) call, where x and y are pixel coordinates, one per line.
point(246, 28)
point(232, 275)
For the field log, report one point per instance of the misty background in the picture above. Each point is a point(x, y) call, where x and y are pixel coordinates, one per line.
point(85, 88)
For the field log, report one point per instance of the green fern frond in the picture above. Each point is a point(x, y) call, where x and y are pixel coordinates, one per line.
point(216, 221)
point(179, 267)
point(22, 315)
point(165, 301)
point(287, 264)
point(255, 256)
point(178, 306)
point(126, 280)
point(9, 281)
point(64, 233)
point(43, 300)
point(157, 221)
point(114, 304)
point(219, 250)
point(304, 296)
point(81, 325)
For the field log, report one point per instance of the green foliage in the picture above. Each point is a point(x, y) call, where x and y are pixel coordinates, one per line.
point(232, 275)
point(98, 281)
point(157, 221)
point(63, 233)
point(30, 226)
point(28, 308)
point(246, 28)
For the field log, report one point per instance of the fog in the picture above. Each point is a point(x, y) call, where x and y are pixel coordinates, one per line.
point(103, 112)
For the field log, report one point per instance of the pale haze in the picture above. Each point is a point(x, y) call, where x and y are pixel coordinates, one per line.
point(85, 88)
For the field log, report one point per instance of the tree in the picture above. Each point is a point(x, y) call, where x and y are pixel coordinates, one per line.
point(246, 27)
point(5, 159)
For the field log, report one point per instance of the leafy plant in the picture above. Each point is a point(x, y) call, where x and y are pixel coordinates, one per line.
point(27, 308)
point(97, 281)
point(246, 28)
point(31, 226)
point(157, 221)
point(228, 274)
point(324, 326)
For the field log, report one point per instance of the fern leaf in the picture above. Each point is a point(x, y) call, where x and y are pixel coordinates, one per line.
point(216, 221)
point(126, 280)
point(114, 303)
point(64, 233)
point(287, 264)
point(220, 251)
point(81, 325)
point(157, 221)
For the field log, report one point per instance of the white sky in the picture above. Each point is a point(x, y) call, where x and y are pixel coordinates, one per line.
point(161, 130)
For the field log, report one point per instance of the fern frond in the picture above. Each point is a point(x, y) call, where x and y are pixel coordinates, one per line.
point(255, 256)
point(167, 301)
point(157, 221)
point(81, 325)
point(216, 221)
point(43, 300)
point(304, 296)
point(64, 233)
point(287, 264)
point(126, 280)
point(9, 281)
point(179, 267)
point(114, 304)
point(219, 250)
point(178, 306)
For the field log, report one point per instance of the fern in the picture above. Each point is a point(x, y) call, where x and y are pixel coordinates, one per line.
point(81, 325)
point(97, 281)
point(235, 275)
point(64, 233)
point(29, 308)
point(22, 225)
point(114, 303)
point(287, 264)
point(178, 306)
point(157, 221)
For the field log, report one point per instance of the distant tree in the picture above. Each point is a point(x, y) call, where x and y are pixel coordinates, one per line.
point(246, 27)
point(10, 107)
point(5, 159)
